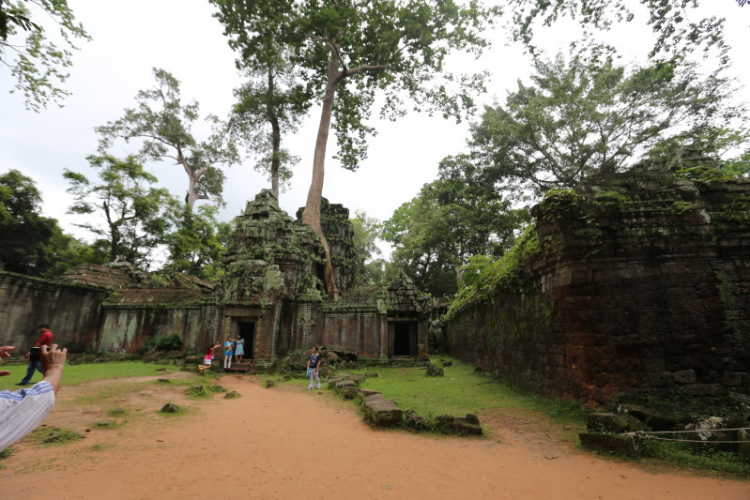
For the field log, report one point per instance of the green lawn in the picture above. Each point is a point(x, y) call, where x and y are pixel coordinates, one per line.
point(460, 391)
point(78, 374)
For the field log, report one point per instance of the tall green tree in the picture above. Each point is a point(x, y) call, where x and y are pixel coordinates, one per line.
point(134, 215)
point(366, 232)
point(347, 51)
point(164, 124)
point(270, 105)
point(197, 242)
point(37, 62)
point(31, 243)
point(456, 217)
point(579, 117)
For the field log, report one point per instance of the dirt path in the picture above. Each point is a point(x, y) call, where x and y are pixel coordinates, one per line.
point(285, 443)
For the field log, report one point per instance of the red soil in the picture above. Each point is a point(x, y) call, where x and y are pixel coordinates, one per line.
point(284, 443)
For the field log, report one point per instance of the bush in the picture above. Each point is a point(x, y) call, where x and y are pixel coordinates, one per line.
point(172, 342)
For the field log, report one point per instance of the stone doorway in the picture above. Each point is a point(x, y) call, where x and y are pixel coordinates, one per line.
point(402, 339)
point(246, 330)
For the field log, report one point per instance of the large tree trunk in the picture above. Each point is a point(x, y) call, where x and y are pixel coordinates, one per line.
point(275, 136)
point(311, 214)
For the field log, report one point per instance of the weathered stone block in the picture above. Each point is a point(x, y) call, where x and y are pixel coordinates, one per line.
point(684, 377)
point(332, 381)
point(434, 371)
point(381, 412)
point(341, 386)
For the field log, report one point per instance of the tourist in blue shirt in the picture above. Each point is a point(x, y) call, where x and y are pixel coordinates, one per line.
point(313, 365)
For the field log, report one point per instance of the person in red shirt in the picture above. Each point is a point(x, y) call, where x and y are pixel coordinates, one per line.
point(45, 338)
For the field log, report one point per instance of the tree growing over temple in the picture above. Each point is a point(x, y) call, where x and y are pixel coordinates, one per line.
point(348, 52)
point(164, 124)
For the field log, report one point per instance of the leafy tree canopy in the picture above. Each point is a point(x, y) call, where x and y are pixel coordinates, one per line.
point(270, 105)
point(578, 118)
point(164, 123)
point(31, 243)
point(198, 242)
point(456, 217)
point(134, 214)
point(346, 52)
point(366, 232)
point(678, 27)
point(37, 63)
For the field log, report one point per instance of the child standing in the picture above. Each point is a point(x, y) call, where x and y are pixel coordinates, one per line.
point(228, 350)
point(313, 365)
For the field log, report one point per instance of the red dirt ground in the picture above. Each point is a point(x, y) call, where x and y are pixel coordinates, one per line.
point(287, 443)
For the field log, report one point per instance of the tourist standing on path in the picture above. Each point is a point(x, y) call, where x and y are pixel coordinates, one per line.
point(23, 410)
point(313, 365)
point(239, 349)
point(228, 349)
point(45, 338)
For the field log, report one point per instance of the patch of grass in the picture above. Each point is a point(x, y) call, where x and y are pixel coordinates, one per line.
point(7, 452)
point(682, 455)
point(463, 391)
point(202, 391)
point(53, 436)
point(79, 374)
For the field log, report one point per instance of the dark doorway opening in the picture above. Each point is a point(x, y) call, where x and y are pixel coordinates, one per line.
point(247, 332)
point(402, 342)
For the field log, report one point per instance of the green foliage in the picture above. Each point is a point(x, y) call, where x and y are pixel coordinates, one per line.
point(33, 244)
point(678, 30)
point(684, 456)
point(6, 453)
point(38, 62)
point(171, 342)
point(703, 174)
point(134, 215)
point(198, 243)
point(611, 200)
point(586, 115)
point(459, 215)
point(164, 124)
point(366, 231)
point(356, 49)
point(506, 273)
point(269, 106)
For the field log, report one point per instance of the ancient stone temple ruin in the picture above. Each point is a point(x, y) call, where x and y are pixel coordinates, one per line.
point(273, 293)
point(272, 296)
point(636, 282)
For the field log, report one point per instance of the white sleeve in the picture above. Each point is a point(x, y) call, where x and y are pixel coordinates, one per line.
point(22, 411)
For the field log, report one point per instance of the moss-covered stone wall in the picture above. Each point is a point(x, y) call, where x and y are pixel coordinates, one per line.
point(640, 283)
point(72, 311)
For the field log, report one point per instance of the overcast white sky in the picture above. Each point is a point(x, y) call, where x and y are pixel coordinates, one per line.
point(131, 37)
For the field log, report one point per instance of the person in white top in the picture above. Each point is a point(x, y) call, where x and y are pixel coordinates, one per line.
point(23, 410)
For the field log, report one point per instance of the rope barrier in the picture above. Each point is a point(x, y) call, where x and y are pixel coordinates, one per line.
point(651, 435)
